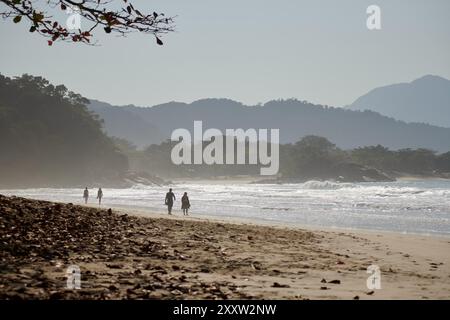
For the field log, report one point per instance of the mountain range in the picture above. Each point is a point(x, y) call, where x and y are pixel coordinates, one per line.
point(426, 100)
point(346, 128)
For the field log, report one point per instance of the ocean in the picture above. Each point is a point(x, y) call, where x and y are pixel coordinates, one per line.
point(419, 206)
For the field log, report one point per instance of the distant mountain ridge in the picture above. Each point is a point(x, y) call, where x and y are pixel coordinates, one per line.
point(426, 100)
point(295, 119)
point(122, 122)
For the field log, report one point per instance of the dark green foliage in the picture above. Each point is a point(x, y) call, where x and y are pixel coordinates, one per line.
point(443, 162)
point(156, 159)
point(375, 156)
point(410, 161)
point(48, 137)
point(312, 157)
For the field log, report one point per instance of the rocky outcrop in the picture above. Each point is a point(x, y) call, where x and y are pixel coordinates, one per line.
point(131, 178)
point(352, 172)
point(342, 172)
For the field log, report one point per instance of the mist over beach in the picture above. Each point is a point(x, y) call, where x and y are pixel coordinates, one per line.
point(212, 151)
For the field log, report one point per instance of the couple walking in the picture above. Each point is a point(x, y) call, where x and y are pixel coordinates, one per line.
point(185, 204)
point(99, 195)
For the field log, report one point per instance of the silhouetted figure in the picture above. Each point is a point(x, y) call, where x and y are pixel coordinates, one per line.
point(185, 205)
point(170, 198)
point(99, 196)
point(86, 195)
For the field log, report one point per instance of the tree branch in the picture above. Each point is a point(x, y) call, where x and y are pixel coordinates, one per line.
point(113, 18)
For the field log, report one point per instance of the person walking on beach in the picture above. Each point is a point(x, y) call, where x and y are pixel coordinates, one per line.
point(86, 195)
point(170, 198)
point(99, 196)
point(185, 205)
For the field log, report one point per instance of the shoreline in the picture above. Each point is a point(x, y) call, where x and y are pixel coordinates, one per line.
point(123, 255)
point(257, 179)
point(147, 213)
point(178, 215)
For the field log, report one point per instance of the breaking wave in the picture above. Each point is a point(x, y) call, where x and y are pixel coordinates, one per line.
point(325, 185)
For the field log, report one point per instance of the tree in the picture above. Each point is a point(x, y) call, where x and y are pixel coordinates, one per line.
point(417, 161)
point(96, 13)
point(443, 162)
point(311, 157)
point(48, 137)
point(378, 157)
point(124, 145)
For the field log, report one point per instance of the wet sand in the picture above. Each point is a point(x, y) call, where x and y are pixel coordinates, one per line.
point(123, 255)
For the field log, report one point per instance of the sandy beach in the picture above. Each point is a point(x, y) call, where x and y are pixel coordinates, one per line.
point(123, 255)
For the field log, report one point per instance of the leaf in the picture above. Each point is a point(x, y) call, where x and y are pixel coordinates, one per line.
point(158, 41)
point(17, 19)
point(37, 17)
point(32, 29)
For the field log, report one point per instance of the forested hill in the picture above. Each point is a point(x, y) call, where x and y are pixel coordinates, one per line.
point(49, 138)
point(296, 119)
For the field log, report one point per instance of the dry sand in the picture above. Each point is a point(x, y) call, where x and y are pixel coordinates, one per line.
point(128, 256)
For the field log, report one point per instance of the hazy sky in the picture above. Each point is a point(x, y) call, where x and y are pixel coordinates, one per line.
point(248, 50)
